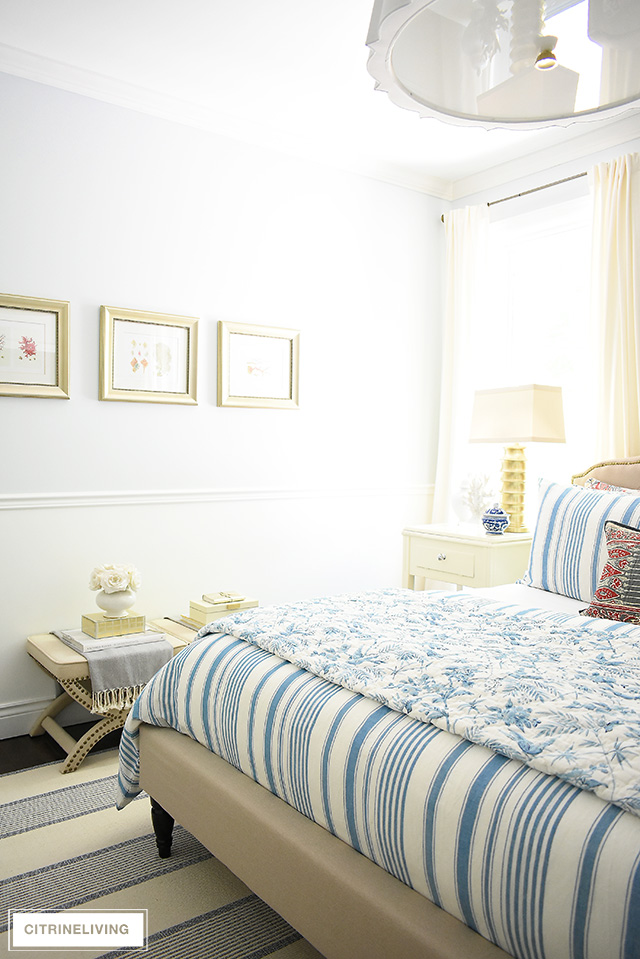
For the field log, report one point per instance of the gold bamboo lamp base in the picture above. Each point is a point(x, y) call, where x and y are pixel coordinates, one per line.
point(512, 489)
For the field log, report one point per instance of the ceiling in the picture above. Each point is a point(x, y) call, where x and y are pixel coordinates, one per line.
point(287, 74)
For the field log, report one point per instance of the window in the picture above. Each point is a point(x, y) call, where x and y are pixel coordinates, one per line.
point(535, 326)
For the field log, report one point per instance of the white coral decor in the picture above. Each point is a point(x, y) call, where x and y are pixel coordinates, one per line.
point(113, 579)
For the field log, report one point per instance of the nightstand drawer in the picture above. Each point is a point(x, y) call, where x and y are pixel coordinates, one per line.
point(437, 559)
point(463, 555)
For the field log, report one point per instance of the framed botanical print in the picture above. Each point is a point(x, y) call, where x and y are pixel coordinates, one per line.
point(258, 366)
point(34, 347)
point(148, 357)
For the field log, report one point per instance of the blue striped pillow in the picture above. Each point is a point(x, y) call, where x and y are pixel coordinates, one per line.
point(569, 546)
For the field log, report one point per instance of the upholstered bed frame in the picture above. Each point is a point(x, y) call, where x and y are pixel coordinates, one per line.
point(341, 902)
point(624, 473)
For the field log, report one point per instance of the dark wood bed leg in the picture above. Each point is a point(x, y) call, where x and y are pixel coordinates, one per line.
point(162, 827)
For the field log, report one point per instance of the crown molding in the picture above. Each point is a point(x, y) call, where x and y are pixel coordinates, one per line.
point(408, 179)
point(600, 138)
point(97, 86)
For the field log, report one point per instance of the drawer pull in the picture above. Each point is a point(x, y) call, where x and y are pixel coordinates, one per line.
point(442, 556)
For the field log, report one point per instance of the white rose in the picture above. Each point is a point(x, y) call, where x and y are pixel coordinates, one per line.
point(94, 580)
point(116, 579)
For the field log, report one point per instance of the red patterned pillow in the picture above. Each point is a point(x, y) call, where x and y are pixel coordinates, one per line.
point(607, 487)
point(618, 593)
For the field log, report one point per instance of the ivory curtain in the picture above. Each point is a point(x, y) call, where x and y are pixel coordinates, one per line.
point(616, 300)
point(466, 245)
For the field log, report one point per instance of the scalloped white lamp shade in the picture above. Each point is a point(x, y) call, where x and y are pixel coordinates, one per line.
point(524, 64)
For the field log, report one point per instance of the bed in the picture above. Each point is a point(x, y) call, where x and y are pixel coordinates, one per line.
point(492, 811)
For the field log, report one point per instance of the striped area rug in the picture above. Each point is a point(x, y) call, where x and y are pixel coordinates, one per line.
point(65, 846)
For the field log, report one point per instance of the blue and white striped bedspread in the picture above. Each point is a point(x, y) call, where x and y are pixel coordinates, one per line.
point(542, 868)
point(559, 693)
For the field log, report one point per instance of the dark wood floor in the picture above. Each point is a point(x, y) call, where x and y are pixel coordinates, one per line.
point(23, 752)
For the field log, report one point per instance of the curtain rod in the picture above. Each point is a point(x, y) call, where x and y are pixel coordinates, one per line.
point(535, 189)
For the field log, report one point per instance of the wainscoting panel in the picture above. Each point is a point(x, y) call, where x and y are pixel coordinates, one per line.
point(278, 545)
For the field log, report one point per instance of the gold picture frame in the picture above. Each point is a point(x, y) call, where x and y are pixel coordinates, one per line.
point(258, 366)
point(34, 347)
point(148, 357)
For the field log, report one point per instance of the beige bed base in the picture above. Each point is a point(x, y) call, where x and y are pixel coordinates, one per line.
point(341, 902)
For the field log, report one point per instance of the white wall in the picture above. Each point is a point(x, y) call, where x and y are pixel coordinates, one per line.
point(102, 205)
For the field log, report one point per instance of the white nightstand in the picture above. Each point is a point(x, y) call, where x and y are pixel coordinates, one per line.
point(464, 555)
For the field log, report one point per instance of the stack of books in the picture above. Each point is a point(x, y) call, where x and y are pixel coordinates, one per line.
point(214, 606)
point(82, 643)
point(100, 632)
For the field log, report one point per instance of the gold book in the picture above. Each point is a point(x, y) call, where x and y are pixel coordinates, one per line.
point(99, 627)
point(218, 608)
point(204, 613)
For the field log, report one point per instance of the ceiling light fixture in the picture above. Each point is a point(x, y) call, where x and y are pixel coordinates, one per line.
point(546, 59)
point(492, 63)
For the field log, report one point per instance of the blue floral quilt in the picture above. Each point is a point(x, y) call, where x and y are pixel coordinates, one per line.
point(557, 692)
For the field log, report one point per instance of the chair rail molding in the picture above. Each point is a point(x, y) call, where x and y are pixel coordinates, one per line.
point(151, 497)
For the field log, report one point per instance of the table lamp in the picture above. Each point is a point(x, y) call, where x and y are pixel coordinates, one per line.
point(513, 416)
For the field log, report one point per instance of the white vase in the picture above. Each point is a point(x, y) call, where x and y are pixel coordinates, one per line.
point(115, 605)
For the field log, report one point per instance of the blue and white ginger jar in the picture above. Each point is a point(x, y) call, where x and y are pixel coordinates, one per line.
point(494, 519)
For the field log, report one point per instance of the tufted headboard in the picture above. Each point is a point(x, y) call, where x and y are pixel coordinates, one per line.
point(624, 473)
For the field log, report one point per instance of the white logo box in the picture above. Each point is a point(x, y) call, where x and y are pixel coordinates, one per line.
point(78, 929)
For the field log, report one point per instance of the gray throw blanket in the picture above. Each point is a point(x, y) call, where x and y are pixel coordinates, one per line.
point(121, 667)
